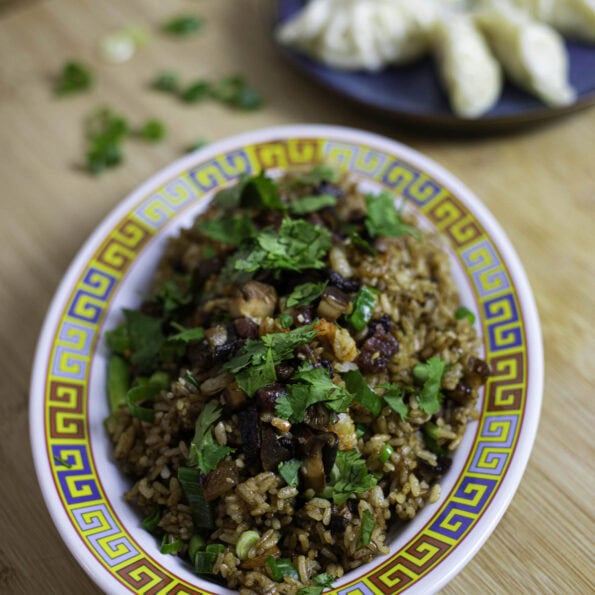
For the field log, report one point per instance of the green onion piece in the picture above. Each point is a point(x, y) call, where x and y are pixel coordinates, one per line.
point(385, 453)
point(117, 47)
point(204, 562)
point(141, 394)
point(464, 313)
point(281, 567)
point(310, 591)
point(161, 379)
point(74, 78)
point(215, 548)
point(183, 26)
point(170, 544)
point(118, 382)
point(420, 372)
point(361, 244)
point(202, 514)
point(366, 527)
point(196, 544)
point(151, 522)
point(363, 308)
point(247, 540)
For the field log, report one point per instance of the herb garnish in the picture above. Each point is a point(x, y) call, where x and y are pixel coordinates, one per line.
point(74, 78)
point(356, 384)
point(289, 471)
point(310, 204)
point(324, 580)
point(152, 130)
point(349, 476)
point(105, 131)
point(202, 514)
point(168, 82)
point(383, 219)
point(310, 591)
point(280, 568)
point(363, 308)
point(366, 527)
point(146, 339)
point(430, 375)
point(196, 92)
point(183, 26)
point(464, 313)
point(118, 381)
point(394, 396)
point(318, 174)
point(305, 294)
point(229, 230)
point(236, 93)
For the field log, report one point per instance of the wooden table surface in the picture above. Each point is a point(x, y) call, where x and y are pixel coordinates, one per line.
point(540, 185)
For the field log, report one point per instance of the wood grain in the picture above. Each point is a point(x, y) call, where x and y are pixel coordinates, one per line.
point(539, 184)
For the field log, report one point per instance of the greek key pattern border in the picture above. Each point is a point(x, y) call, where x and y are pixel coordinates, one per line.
point(67, 432)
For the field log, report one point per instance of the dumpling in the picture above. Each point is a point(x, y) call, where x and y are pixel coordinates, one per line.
point(470, 73)
point(574, 18)
point(532, 54)
point(362, 34)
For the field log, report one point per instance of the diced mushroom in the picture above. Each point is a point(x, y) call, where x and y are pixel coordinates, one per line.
point(233, 397)
point(250, 433)
point(254, 300)
point(333, 304)
point(272, 450)
point(320, 452)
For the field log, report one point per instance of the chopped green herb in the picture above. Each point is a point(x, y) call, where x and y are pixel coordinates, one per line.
point(152, 130)
point(170, 544)
point(74, 78)
point(464, 313)
point(229, 198)
point(309, 204)
point(305, 294)
point(310, 591)
point(247, 540)
point(235, 92)
point(151, 522)
point(385, 453)
point(430, 374)
point(360, 430)
point(261, 192)
point(118, 382)
point(318, 174)
point(363, 308)
point(141, 394)
point(394, 396)
point(349, 476)
point(289, 471)
point(362, 244)
point(172, 296)
point(366, 527)
point(196, 92)
point(183, 25)
point(286, 319)
point(280, 568)
point(202, 515)
point(384, 220)
point(187, 335)
point(118, 340)
point(229, 230)
point(257, 376)
point(356, 384)
point(324, 580)
point(430, 431)
point(204, 562)
point(296, 246)
point(146, 339)
point(167, 82)
point(105, 131)
point(199, 143)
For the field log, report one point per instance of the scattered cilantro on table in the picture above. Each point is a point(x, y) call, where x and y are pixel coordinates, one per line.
point(152, 130)
point(183, 25)
point(74, 77)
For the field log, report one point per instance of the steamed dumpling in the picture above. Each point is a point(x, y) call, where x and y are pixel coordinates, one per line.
point(470, 73)
point(362, 34)
point(532, 54)
point(574, 18)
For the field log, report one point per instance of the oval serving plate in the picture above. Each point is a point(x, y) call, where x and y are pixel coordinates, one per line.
point(412, 94)
point(83, 488)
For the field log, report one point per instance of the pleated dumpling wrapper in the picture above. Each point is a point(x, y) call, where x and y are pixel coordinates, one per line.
point(362, 34)
point(532, 54)
point(469, 72)
point(573, 18)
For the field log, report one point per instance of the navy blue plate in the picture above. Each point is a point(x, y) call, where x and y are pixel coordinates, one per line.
point(413, 93)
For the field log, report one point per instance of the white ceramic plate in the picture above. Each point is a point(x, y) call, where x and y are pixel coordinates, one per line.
point(83, 488)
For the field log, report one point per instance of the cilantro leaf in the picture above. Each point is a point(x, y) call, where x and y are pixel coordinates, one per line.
point(305, 294)
point(255, 377)
point(286, 319)
point(289, 471)
point(211, 455)
point(311, 386)
point(261, 192)
point(356, 384)
point(394, 396)
point(172, 297)
point(183, 25)
point(310, 591)
point(298, 245)
point(146, 338)
point(196, 92)
point(187, 335)
point(383, 219)
point(229, 230)
point(324, 580)
point(235, 92)
point(318, 174)
point(430, 374)
point(310, 204)
point(366, 527)
point(363, 308)
point(74, 78)
point(105, 131)
point(349, 476)
point(464, 313)
point(118, 339)
point(152, 130)
point(229, 198)
point(167, 82)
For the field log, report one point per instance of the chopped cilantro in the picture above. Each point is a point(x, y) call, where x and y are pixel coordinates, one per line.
point(356, 384)
point(196, 92)
point(285, 319)
point(118, 340)
point(430, 375)
point(280, 568)
point(261, 192)
point(254, 377)
point(152, 130)
point(229, 198)
point(358, 242)
point(146, 338)
point(349, 476)
point(236, 93)
point(363, 308)
point(324, 580)
point(187, 335)
point(305, 294)
point(105, 132)
point(167, 82)
point(394, 396)
point(118, 381)
point(464, 313)
point(74, 78)
point(183, 25)
point(311, 386)
point(204, 453)
point(383, 219)
point(289, 471)
point(296, 246)
point(229, 230)
point(172, 297)
point(318, 174)
point(138, 395)
point(310, 591)
point(366, 527)
point(309, 204)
